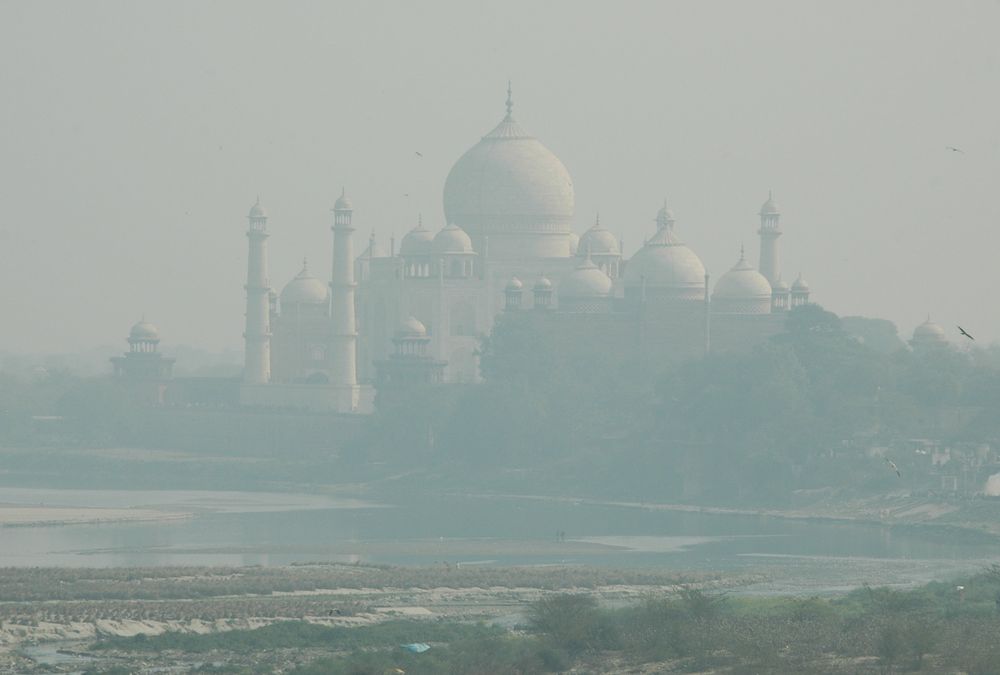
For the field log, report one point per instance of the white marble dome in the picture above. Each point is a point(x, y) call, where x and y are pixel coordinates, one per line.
point(742, 290)
point(770, 207)
point(930, 332)
point(800, 285)
point(598, 241)
point(144, 330)
point(514, 284)
point(586, 281)
point(780, 286)
point(304, 289)
point(257, 211)
point(665, 263)
point(417, 242)
point(411, 326)
point(343, 203)
point(543, 283)
point(742, 282)
point(510, 185)
point(452, 239)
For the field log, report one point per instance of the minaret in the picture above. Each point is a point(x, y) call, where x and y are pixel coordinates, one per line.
point(343, 355)
point(257, 336)
point(770, 230)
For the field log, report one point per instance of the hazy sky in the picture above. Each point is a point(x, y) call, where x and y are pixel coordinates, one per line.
point(136, 135)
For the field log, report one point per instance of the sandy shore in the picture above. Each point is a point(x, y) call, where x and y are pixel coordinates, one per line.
point(14, 515)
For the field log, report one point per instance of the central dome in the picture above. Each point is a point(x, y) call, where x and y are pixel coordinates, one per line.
point(304, 289)
point(511, 188)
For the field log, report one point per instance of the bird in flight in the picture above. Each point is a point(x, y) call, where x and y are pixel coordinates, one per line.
point(419, 154)
point(962, 331)
point(892, 465)
point(954, 149)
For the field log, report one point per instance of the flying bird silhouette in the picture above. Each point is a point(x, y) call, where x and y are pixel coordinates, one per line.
point(962, 331)
point(419, 154)
point(892, 465)
point(954, 149)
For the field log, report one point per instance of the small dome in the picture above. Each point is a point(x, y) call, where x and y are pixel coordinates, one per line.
point(514, 284)
point(343, 203)
point(598, 241)
point(742, 282)
point(800, 285)
point(770, 207)
point(452, 239)
point(929, 332)
point(543, 283)
point(257, 211)
point(144, 330)
point(304, 289)
point(665, 262)
point(586, 281)
point(411, 326)
point(417, 241)
point(780, 286)
point(574, 243)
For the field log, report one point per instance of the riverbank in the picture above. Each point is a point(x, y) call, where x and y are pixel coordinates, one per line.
point(73, 607)
point(979, 516)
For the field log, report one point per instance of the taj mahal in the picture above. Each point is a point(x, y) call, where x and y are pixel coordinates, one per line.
point(391, 318)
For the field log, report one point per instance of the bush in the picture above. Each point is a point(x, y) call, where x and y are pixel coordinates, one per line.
point(573, 623)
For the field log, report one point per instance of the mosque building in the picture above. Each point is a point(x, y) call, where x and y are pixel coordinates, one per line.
point(507, 246)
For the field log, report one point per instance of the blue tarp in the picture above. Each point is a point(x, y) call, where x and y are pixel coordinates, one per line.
point(416, 647)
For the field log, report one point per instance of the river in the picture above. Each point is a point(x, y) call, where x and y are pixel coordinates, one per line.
point(249, 528)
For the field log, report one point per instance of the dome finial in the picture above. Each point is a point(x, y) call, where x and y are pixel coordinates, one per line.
point(510, 99)
point(742, 254)
point(597, 221)
point(420, 221)
point(305, 264)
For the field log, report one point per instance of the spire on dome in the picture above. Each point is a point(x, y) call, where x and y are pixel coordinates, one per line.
point(664, 217)
point(770, 207)
point(508, 129)
point(257, 211)
point(343, 203)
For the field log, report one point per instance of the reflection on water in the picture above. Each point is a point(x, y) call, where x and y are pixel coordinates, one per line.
point(271, 529)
